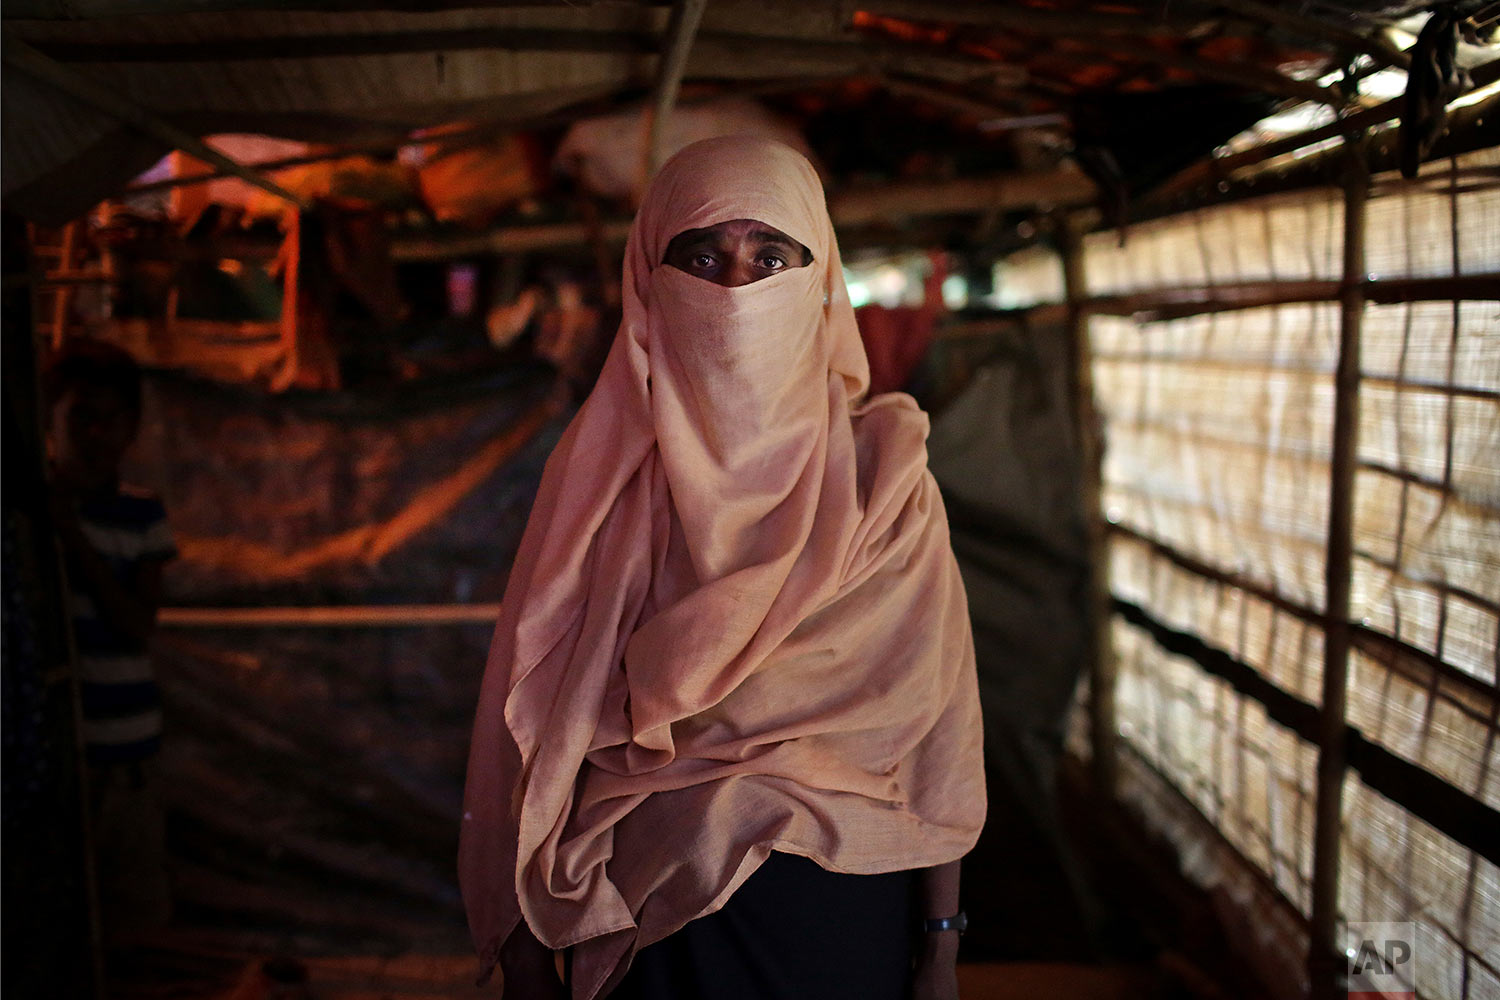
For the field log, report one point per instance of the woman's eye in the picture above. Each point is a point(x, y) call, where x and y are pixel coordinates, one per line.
point(703, 261)
point(772, 263)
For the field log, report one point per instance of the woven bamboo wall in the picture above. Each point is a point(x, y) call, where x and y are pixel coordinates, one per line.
point(1216, 483)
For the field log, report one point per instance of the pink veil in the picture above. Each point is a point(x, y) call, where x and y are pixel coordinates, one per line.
point(735, 622)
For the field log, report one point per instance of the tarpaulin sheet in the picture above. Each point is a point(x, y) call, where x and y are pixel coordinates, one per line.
point(1005, 454)
point(312, 776)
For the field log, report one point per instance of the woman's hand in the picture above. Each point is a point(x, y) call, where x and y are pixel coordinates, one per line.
point(529, 968)
point(936, 974)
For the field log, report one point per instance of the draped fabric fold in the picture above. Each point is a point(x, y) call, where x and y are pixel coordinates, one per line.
point(735, 622)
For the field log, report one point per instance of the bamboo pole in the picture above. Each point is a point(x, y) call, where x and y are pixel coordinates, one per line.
point(1325, 960)
point(347, 616)
point(683, 26)
point(1099, 649)
point(512, 239)
point(1176, 303)
point(31, 62)
point(1060, 188)
point(1159, 304)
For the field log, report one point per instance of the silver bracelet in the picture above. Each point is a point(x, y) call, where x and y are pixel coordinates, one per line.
point(958, 922)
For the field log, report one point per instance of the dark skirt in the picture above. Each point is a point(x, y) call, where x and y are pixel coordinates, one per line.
point(792, 931)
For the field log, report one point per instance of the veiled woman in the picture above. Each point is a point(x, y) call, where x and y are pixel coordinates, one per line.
point(728, 741)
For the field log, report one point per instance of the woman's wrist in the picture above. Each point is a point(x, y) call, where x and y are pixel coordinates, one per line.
point(938, 945)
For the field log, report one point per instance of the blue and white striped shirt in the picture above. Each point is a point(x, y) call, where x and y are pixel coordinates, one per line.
point(122, 718)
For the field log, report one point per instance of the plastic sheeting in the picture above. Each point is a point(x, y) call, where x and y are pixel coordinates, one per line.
point(1004, 454)
point(607, 154)
point(313, 776)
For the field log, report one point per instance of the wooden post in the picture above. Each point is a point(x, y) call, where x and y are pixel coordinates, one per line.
point(1325, 961)
point(1099, 649)
point(686, 14)
point(62, 297)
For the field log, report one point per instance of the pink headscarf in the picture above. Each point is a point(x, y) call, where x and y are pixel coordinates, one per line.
point(735, 622)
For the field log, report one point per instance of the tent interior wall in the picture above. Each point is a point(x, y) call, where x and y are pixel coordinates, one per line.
point(1204, 299)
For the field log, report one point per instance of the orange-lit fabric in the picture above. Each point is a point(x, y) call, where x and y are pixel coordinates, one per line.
point(735, 622)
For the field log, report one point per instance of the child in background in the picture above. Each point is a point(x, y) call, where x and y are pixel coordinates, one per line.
point(115, 542)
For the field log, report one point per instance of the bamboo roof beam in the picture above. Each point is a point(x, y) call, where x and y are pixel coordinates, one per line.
point(726, 48)
point(27, 60)
point(743, 56)
point(80, 10)
point(1058, 188)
